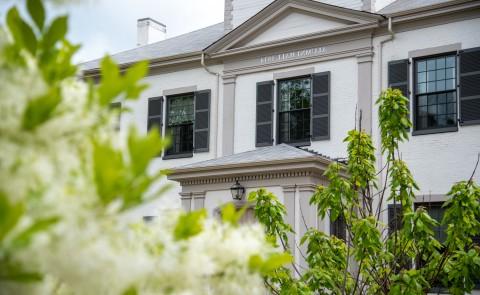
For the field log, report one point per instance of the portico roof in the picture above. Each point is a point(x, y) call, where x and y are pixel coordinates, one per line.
point(273, 159)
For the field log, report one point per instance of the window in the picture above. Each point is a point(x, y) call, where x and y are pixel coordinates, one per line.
point(435, 93)
point(294, 102)
point(180, 119)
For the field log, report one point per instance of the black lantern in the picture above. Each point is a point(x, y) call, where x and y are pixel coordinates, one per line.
point(237, 191)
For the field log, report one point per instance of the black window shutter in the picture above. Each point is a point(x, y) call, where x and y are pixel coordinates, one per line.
point(469, 89)
point(155, 113)
point(398, 77)
point(320, 121)
point(394, 217)
point(264, 124)
point(338, 228)
point(201, 132)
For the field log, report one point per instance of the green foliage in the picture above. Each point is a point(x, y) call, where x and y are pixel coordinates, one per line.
point(10, 214)
point(366, 239)
point(190, 224)
point(334, 198)
point(231, 215)
point(408, 282)
point(462, 211)
point(393, 118)
point(463, 271)
point(126, 179)
point(37, 12)
point(113, 83)
point(270, 265)
point(407, 260)
point(361, 161)
point(41, 109)
point(270, 212)
point(327, 260)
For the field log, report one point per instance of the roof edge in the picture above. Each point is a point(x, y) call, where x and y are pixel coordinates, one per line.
point(183, 173)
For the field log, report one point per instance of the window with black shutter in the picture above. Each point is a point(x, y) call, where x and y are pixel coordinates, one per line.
point(264, 114)
point(320, 123)
point(155, 113)
point(398, 77)
point(338, 228)
point(294, 110)
point(180, 121)
point(435, 94)
point(202, 121)
point(469, 90)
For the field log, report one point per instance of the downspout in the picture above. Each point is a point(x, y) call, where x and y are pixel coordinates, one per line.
point(217, 95)
point(380, 75)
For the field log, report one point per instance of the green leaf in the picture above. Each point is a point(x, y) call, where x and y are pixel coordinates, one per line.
point(24, 238)
point(56, 32)
point(109, 170)
point(189, 224)
point(130, 291)
point(142, 149)
point(40, 110)
point(255, 262)
point(37, 12)
point(132, 76)
point(22, 33)
point(231, 215)
point(276, 261)
point(10, 214)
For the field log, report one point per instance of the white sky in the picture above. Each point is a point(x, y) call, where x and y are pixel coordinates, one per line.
point(103, 26)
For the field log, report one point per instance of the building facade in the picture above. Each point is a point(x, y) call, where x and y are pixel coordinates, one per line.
point(267, 97)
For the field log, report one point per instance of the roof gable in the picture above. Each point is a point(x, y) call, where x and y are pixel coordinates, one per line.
point(286, 19)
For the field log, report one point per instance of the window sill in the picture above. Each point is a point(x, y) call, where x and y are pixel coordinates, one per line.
point(434, 131)
point(298, 143)
point(177, 156)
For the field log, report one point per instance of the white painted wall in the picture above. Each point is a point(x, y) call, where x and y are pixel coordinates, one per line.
point(437, 161)
point(244, 9)
point(138, 117)
point(295, 23)
point(343, 75)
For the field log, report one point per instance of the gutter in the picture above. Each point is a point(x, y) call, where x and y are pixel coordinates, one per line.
point(217, 99)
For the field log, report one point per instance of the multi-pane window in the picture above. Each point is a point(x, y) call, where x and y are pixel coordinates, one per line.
point(294, 102)
point(435, 91)
point(180, 119)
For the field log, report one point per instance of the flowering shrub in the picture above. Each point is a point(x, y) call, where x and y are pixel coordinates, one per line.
point(66, 179)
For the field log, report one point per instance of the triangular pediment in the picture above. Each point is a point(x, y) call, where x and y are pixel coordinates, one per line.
point(291, 19)
point(292, 23)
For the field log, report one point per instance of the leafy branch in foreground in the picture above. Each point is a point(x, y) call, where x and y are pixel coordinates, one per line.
point(68, 183)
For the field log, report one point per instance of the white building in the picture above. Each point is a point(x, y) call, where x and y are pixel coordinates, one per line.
point(267, 97)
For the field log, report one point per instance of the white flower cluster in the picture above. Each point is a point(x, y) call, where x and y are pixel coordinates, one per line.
point(91, 249)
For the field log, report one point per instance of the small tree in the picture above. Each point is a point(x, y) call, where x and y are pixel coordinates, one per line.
point(405, 260)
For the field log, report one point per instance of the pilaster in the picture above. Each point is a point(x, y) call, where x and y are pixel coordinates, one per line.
point(228, 115)
point(365, 90)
